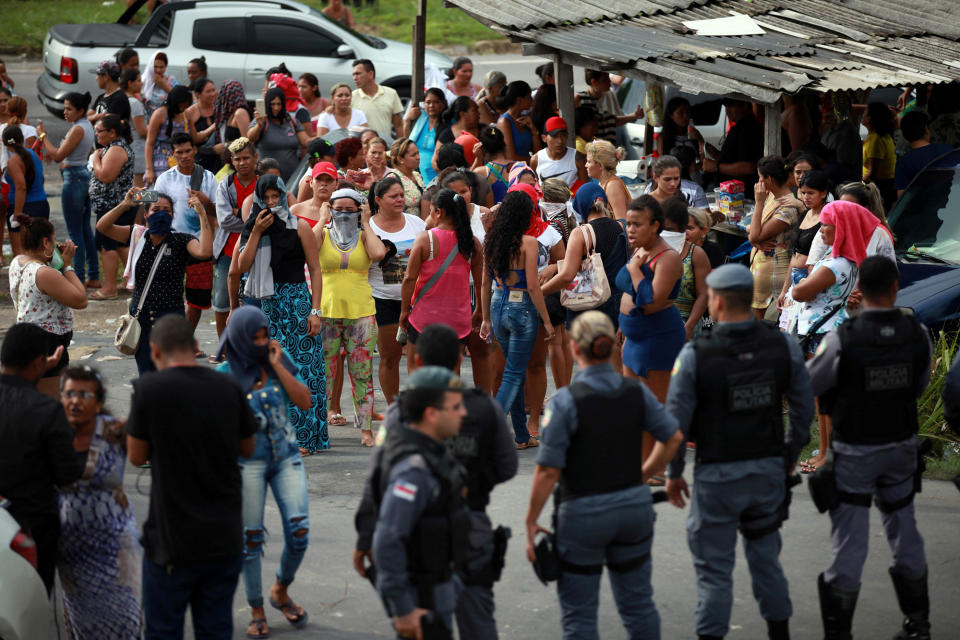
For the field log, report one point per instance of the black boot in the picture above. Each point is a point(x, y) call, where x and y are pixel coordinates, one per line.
point(836, 610)
point(778, 630)
point(914, 602)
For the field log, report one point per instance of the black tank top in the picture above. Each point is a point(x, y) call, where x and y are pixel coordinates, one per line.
point(802, 239)
point(206, 156)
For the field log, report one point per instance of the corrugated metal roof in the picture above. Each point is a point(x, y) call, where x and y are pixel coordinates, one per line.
point(817, 44)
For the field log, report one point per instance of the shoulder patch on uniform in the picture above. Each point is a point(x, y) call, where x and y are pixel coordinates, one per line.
point(417, 461)
point(405, 491)
point(676, 367)
point(821, 347)
point(545, 420)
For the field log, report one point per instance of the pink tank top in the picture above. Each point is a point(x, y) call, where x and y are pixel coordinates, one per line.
point(448, 300)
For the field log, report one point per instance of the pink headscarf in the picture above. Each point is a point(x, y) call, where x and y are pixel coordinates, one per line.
point(854, 228)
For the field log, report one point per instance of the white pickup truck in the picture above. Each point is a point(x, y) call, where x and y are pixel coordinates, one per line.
point(239, 39)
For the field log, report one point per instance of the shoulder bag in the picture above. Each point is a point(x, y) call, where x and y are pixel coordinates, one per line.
point(589, 288)
point(401, 332)
point(127, 338)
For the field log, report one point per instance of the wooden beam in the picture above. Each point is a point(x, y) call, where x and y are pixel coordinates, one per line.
point(419, 53)
point(563, 77)
point(771, 129)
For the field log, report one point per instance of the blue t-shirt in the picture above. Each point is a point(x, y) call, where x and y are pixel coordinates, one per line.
point(270, 405)
point(35, 192)
point(913, 161)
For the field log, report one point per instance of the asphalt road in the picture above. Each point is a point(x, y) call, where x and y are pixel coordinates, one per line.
point(343, 606)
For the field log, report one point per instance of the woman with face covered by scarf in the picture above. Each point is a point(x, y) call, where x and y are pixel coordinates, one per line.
point(269, 377)
point(273, 246)
point(165, 294)
point(347, 247)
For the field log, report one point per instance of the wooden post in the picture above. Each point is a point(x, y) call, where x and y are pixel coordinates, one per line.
point(649, 144)
point(563, 77)
point(771, 129)
point(419, 49)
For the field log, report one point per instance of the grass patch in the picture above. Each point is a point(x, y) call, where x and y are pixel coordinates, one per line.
point(25, 24)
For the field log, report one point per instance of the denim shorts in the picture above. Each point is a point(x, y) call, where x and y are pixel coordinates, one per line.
point(221, 292)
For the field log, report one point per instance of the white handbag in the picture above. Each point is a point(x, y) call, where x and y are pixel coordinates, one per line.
point(589, 288)
point(127, 338)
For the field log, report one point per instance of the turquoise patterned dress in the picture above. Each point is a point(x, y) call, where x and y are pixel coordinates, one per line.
point(100, 552)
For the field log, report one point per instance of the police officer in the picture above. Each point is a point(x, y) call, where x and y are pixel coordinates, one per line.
point(485, 448)
point(421, 530)
point(592, 439)
point(727, 393)
point(869, 373)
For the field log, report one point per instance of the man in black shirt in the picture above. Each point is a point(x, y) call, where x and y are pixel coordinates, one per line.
point(192, 424)
point(742, 147)
point(37, 452)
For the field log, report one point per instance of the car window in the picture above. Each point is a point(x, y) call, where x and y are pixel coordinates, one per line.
point(220, 34)
point(927, 216)
point(290, 39)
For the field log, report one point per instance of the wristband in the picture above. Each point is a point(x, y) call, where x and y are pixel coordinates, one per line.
point(316, 312)
point(69, 267)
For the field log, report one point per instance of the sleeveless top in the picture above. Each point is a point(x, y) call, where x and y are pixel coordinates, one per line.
point(35, 191)
point(565, 167)
point(448, 300)
point(625, 283)
point(522, 140)
point(499, 173)
point(802, 240)
point(688, 285)
point(106, 195)
point(206, 156)
point(346, 289)
point(35, 306)
point(78, 157)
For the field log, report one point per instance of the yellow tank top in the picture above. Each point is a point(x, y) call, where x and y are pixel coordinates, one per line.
point(346, 290)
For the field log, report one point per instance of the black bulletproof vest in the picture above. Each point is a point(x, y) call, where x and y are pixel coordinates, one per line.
point(604, 453)
point(439, 542)
point(741, 375)
point(882, 356)
point(473, 447)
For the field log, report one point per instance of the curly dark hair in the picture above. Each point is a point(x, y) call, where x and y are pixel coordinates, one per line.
point(346, 149)
point(455, 206)
point(503, 242)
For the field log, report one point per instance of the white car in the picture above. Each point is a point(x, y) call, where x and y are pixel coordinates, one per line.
point(24, 607)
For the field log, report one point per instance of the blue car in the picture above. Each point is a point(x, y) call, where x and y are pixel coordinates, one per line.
point(926, 226)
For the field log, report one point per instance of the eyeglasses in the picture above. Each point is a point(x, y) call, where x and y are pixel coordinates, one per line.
point(71, 394)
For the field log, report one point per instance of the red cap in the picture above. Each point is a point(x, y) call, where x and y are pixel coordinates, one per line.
point(467, 140)
point(325, 168)
point(554, 124)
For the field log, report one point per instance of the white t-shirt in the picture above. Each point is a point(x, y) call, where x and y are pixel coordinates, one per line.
point(175, 184)
point(880, 245)
point(329, 122)
point(546, 241)
point(386, 282)
point(28, 132)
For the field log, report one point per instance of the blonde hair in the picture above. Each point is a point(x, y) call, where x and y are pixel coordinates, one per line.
point(339, 85)
point(398, 150)
point(555, 190)
point(605, 154)
point(240, 144)
point(701, 217)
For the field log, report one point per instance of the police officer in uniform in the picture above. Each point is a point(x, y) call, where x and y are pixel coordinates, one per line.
point(869, 374)
point(485, 448)
point(421, 530)
point(727, 393)
point(592, 438)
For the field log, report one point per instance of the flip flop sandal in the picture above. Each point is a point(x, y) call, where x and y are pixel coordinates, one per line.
point(299, 619)
point(337, 420)
point(656, 481)
point(200, 354)
point(305, 452)
point(529, 444)
point(261, 626)
point(377, 416)
point(98, 295)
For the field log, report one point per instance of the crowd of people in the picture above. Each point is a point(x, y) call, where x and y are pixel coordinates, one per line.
point(477, 216)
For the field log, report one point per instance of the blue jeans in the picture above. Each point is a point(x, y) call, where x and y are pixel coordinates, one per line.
point(208, 588)
point(516, 325)
point(76, 213)
point(289, 484)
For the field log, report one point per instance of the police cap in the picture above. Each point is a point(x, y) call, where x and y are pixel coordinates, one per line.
point(730, 277)
point(433, 377)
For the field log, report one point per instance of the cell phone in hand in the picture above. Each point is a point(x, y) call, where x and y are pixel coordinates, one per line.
point(261, 105)
point(146, 196)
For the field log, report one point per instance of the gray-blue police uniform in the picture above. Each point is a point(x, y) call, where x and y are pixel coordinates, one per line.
point(726, 393)
point(593, 430)
point(868, 374)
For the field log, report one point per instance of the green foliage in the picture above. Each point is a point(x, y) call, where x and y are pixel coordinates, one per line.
point(930, 406)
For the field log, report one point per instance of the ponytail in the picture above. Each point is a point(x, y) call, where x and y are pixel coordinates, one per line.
point(13, 137)
point(453, 205)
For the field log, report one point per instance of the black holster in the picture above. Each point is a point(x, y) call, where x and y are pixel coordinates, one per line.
point(433, 628)
point(823, 485)
point(491, 573)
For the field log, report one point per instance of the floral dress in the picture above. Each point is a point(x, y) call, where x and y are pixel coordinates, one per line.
point(100, 554)
point(810, 313)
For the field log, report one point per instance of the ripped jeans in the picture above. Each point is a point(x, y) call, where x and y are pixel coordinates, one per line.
point(288, 480)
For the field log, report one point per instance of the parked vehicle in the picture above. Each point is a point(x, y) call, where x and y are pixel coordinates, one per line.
point(24, 608)
point(239, 39)
point(926, 226)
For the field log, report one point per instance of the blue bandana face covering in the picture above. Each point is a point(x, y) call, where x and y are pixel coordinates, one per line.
point(159, 222)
